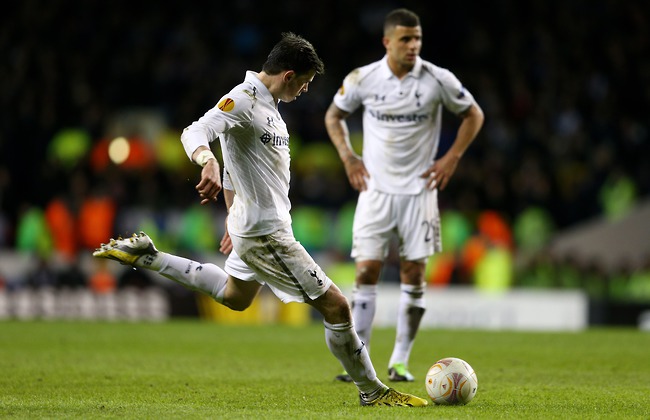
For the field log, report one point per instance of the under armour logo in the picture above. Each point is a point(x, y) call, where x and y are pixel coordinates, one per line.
point(360, 349)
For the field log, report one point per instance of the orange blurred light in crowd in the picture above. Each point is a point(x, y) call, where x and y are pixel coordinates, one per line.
point(495, 228)
point(472, 252)
point(128, 153)
point(96, 217)
point(62, 226)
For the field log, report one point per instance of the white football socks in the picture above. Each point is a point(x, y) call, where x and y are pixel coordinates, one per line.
point(207, 278)
point(364, 304)
point(409, 314)
point(346, 346)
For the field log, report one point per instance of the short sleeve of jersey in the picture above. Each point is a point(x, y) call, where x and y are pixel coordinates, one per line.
point(455, 97)
point(347, 97)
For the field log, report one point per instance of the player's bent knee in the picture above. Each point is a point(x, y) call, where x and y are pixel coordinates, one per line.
point(413, 272)
point(334, 307)
point(238, 303)
point(238, 306)
point(368, 272)
point(239, 294)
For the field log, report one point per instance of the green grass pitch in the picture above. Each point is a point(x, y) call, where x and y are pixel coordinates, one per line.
point(187, 369)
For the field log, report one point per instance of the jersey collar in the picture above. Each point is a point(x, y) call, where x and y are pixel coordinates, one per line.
point(415, 72)
point(262, 91)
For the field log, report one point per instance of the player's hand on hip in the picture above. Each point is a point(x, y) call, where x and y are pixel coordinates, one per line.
point(430, 176)
point(210, 184)
point(439, 174)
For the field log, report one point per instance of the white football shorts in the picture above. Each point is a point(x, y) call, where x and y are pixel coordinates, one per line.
point(415, 219)
point(281, 262)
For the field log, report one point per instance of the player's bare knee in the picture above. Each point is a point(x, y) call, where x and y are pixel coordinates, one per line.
point(338, 314)
point(413, 272)
point(334, 307)
point(368, 273)
point(343, 310)
point(238, 305)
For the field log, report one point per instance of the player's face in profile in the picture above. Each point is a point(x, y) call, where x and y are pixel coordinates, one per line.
point(403, 44)
point(297, 85)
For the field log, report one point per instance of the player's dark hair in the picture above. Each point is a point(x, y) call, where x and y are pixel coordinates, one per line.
point(401, 17)
point(293, 52)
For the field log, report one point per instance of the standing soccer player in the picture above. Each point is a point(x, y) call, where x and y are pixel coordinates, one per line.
point(255, 145)
point(402, 98)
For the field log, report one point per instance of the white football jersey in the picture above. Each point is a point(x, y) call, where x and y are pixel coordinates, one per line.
point(401, 120)
point(255, 146)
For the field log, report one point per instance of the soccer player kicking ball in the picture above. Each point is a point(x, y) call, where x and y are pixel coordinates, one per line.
point(255, 145)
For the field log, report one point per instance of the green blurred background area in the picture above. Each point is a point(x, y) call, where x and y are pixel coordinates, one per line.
point(553, 194)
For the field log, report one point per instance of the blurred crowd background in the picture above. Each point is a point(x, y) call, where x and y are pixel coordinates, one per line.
point(565, 87)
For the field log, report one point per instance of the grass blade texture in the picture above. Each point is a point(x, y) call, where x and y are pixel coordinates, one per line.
point(188, 369)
